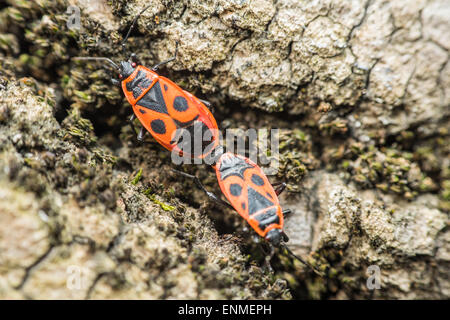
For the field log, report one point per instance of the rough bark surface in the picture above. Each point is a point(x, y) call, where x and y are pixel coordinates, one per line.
point(361, 90)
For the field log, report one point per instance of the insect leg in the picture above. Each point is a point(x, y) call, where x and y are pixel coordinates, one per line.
point(141, 134)
point(285, 237)
point(211, 195)
point(154, 68)
point(268, 258)
point(134, 58)
point(318, 272)
point(280, 186)
point(208, 105)
point(115, 82)
point(131, 119)
point(286, 212)
point(131, 27)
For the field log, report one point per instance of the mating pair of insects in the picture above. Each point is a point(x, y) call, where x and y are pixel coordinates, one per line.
point(163, 108)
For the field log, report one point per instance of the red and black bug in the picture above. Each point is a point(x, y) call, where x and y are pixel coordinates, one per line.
point(162, 107)
point(250, 193)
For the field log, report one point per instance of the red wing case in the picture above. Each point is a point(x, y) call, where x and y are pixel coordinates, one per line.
point(171, 114)
point(250, 193)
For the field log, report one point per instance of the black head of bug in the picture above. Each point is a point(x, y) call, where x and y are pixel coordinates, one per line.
point(126, 69)
point(274, 236)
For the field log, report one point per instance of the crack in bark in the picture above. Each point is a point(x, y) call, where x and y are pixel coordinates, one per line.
point(30, 268)
point(363, 18)
point(439, 80)
point(402, 98)
point(275, 4)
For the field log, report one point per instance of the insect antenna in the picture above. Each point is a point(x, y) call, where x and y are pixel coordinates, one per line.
point(114, 65)
point(131, 27)
point(319, 273)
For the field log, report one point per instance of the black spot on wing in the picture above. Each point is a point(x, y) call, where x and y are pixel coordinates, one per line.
point(257, 201)
point(154, 100)
point(180, 104)
point(235, 189)
point(256, 179)
point(142, 111)
point(158, 126)
point(166, 87)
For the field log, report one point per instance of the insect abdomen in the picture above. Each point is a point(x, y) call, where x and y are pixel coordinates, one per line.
point(265, 220)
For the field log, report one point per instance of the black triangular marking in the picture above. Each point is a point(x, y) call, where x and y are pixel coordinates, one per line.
point(154, 100)
point(257, 201)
